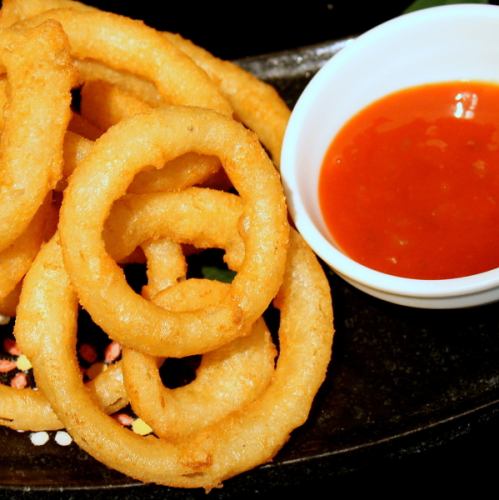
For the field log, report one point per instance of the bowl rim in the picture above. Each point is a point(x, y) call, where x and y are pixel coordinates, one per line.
point(335, 258)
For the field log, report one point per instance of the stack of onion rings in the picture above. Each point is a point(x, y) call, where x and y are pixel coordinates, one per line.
point(133, 165)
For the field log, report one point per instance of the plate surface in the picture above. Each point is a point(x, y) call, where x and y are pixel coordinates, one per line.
point(401, 379)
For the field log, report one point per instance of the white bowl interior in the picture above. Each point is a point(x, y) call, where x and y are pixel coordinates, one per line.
point(459, 42)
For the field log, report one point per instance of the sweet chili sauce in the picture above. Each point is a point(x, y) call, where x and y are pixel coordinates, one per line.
point(410, 185)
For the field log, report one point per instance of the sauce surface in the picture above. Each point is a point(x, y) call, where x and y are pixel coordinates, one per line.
point(410, 185)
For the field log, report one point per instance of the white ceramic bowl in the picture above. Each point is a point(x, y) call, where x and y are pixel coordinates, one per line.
point(456, 42)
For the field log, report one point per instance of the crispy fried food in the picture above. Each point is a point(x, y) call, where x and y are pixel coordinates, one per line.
point(166, 266)
point(105, 175)
point(253, 435)
point(157, 116)
point(90, 70)
point(16, 259)
point(8, 304)
point(105, 104)
point(188, 170)
point(124, 44)
point(76, 148)
point(29, 410)
point(135, 219)
point(254, 102)
point(227, 379)
point(39, 78)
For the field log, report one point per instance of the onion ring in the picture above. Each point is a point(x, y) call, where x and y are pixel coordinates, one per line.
point(254, 102)
point(239, 442)
point(76, 148)
point(104, 176)
point(39, 75)
point(122, 44)
point(8, 304)
point(135, 219)
point(90, 70)
point(165, 266)
point(105, 105)
point(14, 11)
point(227, 379)
point(232, 433)
point(17, 258)
point(182, 172)
point(29, 410)
point(185, 171)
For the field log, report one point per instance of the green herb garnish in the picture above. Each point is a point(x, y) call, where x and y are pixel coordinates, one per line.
point(424, 4)
point(215, 273)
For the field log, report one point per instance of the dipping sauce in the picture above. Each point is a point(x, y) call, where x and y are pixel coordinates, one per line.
point(410, 185)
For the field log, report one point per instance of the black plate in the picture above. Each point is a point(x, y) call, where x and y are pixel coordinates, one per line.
point(401, 380)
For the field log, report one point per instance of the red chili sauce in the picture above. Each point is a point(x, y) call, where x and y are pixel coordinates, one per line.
point(410, 185)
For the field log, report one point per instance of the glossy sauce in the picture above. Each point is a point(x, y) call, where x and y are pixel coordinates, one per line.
point(410, 185)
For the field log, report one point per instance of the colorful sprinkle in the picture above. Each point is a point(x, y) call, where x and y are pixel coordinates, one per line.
point(88, 353)
point(10, 346)
point(23, 363)
point(39, 438)
point(112, 352)
point(62, 438)
point(140, 427)
point(19, 381)
point(7, 365)
point(124, 419)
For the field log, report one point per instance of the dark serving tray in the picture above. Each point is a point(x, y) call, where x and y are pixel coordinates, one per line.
point(401, 381)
